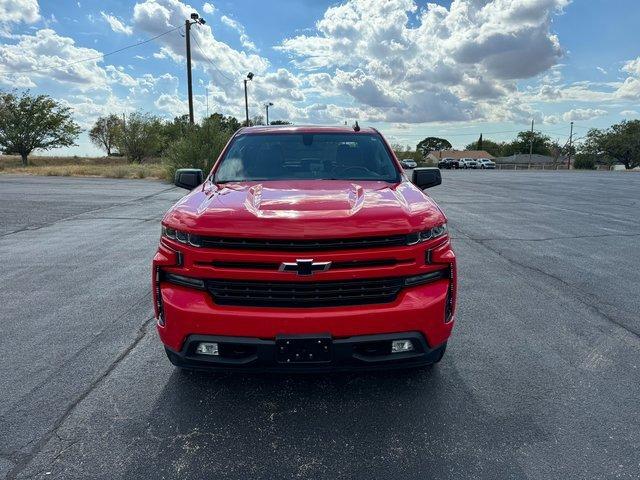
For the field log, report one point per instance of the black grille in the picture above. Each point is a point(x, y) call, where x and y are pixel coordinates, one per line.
point(303, 245)
point(385, 262)
point(304, 294)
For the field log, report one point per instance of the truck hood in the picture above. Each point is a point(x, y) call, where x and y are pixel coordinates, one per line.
point(304, 209)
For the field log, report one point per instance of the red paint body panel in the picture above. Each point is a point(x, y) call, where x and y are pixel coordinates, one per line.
point(304, 210)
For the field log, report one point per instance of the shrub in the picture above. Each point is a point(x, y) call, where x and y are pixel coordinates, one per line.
point(140, 137)
point(119, 172)
point(199, 148)
point(584, 162)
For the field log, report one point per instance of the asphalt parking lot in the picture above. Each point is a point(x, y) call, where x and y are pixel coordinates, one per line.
point(541, 378)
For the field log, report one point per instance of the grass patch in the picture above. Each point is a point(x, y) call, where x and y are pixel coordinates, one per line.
point(126, 170)
point(9, 161)
point(109, 167)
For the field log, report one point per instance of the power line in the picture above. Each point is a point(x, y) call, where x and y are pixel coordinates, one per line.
point(209, 60)
point(88, 59)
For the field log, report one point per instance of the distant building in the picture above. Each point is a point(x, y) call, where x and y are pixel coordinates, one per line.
point(524, 158)
point(437, 155)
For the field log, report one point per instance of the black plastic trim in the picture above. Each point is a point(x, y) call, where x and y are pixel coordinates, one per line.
point(345, 354)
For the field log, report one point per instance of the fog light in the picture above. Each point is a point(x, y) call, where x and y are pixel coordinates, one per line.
point(206, 348)
point(399, 346)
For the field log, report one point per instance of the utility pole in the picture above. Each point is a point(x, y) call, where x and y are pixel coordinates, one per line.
point(246, 101)
point(266, 107)
point(570, 147)
point(206, 94)
point(187, 28)
point(531, 146)
point(195, 18)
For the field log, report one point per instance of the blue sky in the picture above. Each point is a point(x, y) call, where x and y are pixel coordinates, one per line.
point(454, 69)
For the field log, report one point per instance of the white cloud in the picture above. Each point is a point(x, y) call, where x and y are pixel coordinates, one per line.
point(600, 92)
point(629, 113)
point(601, 70)
point(119, 76)
point(632, 67)
point(551, 119)
point(116, 24)
point(87, 108)
point(208, 8)
point(579, 114)
point(225, 65)
point(49, 56)
point(238, 27)
point(16, 11)
point(171, 104)
point(432, 63)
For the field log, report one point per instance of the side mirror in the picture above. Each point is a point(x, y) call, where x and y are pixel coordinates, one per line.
point(188, 178)
point(426, 177)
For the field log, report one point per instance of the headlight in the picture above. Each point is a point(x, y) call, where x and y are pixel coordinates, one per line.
point(182, 237)
point(419, 237)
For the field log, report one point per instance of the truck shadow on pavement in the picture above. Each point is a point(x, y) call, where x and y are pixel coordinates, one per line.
point(395, 424)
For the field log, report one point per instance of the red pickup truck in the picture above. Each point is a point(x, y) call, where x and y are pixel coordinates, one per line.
point(305, 249)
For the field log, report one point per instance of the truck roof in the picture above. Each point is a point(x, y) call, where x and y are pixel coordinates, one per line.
point(263, 129)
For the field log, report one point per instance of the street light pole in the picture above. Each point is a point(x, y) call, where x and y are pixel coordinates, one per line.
point(246, 101)
point(266, 106)
point(195, 18)
point(570, 146)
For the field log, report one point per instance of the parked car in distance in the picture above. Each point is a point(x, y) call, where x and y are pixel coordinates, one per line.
point(305, 249)
point(486, 163)
point(448, 163)
point(468, 163)
point(408, 163)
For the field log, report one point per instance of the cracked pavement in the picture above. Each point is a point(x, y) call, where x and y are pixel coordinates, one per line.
point(540, 380)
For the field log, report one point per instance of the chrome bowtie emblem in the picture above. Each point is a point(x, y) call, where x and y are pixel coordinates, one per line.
point(304, 266)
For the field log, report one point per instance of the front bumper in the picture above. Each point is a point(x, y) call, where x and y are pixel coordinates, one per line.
point(363, 352)
point(188, 312)
point(185, 313)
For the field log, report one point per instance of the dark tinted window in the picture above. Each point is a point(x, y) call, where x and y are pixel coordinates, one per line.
point(298, 156)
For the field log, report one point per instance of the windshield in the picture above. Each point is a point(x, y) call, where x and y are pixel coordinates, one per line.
point(307, 156)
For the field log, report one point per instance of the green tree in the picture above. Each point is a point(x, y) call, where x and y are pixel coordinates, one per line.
point(432, 143)
point(522, 144)
point(176, 129)
point(489, 146)
point(201, 146)
point(104, 132)
point(34, 122)
point(141, 136)
point(620, 142)
point(256, 120)
point(228, 123)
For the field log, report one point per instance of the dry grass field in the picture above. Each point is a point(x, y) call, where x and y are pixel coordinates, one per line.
point(109, 167)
